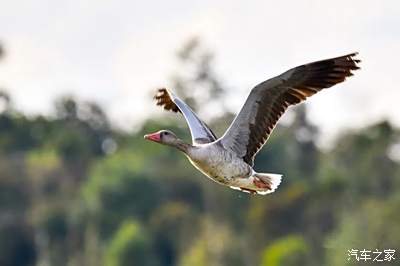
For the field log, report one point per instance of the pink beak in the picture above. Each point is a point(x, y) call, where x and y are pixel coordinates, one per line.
point(153, 137)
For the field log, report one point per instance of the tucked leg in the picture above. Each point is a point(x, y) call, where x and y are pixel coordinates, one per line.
point(262, 183)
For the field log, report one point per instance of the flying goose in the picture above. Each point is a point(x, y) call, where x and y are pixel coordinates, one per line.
point(229, 160)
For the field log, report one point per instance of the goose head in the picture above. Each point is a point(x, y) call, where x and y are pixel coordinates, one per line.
point(166, 137)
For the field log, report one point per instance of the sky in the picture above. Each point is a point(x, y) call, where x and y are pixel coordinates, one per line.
point(118, 52)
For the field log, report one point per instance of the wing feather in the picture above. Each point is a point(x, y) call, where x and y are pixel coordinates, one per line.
point(200, 132)
point(270, 99)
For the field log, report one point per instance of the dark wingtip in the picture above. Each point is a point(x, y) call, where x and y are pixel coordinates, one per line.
point(354, 60)
point(164, 100)
point(348, 62)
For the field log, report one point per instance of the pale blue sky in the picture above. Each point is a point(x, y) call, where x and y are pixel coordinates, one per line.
point(116, 52)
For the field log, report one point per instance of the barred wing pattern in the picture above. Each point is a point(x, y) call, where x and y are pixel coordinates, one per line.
point(270, 99)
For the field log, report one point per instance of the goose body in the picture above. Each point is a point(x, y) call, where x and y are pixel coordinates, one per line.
point(229, 160)
point(218, 163)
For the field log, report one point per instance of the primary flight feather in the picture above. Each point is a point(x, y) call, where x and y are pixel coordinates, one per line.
point(229, 160)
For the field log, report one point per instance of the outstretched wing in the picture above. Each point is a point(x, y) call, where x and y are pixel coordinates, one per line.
point(270, 99)
point(200, 132)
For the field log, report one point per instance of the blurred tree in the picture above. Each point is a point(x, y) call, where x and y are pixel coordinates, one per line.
point(67, 109)
point(306, 135)
point(116, 189)
point(15, 131)
point(17, 244)
point(365, 160)
point(174, 225)
point(292, 149)
point(75, 191)
point(197, 82)
point(216, 245)
point(5, 102)
point(86, 130)
point(290, 250)
point(15, 189)
point(130, 246)
point(375, 225)
point(281, 216)
point(85, 119)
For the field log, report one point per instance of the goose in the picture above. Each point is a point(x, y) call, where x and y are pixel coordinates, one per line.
point(229, 160)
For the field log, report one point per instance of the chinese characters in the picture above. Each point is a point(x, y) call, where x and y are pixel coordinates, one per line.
point(376, 255)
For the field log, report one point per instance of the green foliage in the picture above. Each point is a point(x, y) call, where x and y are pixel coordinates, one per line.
point(121, 164)
point(77, 197)
point(130, 246)
point(15, 188)
point(76, 191)
point(173, 225)
point(364, 158)
point(290, 250)
point(374, 225)
point(116, 189)
point(43, 158)
point(216, 245)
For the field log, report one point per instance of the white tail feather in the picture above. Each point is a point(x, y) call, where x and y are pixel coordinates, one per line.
point(258, 183)
point(272, 180)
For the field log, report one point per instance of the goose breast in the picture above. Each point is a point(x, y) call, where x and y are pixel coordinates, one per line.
point(219, 164)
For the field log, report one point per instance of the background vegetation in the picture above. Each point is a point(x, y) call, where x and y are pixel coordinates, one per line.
point(76, 191)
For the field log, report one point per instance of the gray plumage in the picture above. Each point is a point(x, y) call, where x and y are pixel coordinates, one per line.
point(200, 132)
point(270, 99)
point(229, 159)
